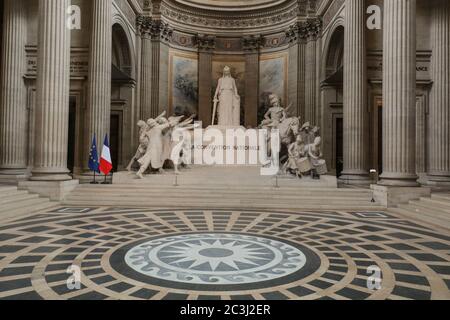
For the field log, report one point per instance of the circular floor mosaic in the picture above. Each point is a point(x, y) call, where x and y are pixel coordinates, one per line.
point(132, 253)
point(212, 259)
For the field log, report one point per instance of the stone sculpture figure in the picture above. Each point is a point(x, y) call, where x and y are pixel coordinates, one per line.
point(228, 100)
point(143, 143)
point(297, 152)
point(157, 144)
point(315, 155)
point(153, 155)
point(275, 115)
point(169, 144)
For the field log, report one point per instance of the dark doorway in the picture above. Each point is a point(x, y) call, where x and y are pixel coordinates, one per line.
point(339, 146)
point(72, 134)
point(114, 140)
point(380, 139)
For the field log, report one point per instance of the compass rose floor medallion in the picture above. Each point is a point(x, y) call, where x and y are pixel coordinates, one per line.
point(224, 261)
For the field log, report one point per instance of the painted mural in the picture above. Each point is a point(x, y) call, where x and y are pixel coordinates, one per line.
point(183, 84)
point(272, 79)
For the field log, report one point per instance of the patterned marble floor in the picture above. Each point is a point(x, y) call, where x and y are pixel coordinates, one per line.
point(126, 253)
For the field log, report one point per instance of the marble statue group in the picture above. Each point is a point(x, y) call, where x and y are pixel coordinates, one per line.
point(300, 152)
point(300, 145)
point(156, 145)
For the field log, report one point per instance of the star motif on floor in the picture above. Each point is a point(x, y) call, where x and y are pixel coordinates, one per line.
point(215, 258)
point(229, 255)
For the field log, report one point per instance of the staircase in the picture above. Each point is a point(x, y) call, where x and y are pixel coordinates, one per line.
point(14, 203)
point(434, 210)
point(221, 196)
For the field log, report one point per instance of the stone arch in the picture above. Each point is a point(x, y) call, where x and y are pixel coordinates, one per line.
point(123, 56)
point(333, 58)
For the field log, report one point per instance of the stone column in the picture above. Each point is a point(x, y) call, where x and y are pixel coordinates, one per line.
point(155, 66)
point(313, 28)
point(355, 95)
point(144, 26)
point(251, 47)
point(292, 99)
point(301, 82)
point(99, 78)
point(439, 125)
point(399, 94)
point(206, 45)
point(52, 104)
point(13, 113)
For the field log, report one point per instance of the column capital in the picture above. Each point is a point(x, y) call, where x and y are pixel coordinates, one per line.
point(313, 28)
point(205, 43)
point(298, 32)
point(143, 24)
point(252, 43)
point(154, 29)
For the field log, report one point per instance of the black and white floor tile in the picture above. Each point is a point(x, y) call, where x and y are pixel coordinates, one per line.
point(129, 253)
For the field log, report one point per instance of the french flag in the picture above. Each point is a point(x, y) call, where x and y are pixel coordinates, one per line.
point(105, 161)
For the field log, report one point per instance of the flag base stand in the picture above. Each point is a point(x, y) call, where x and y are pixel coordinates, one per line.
point(106, 181)
point(94, 182)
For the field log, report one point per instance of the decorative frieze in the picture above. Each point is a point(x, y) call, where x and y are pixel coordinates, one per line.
point(229, 20)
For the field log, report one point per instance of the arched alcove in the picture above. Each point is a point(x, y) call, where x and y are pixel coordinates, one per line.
point(122, 87)
point(333, 63)
point(332, 76)
point(121, 53)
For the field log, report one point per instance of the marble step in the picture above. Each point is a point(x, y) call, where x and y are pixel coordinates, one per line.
point(17, 198)
point(11, 193)
point(283, 190)
point(411, 214)
point(4, 188)
point(23, 203)
point(30, 208)
point(219, 192)
point(441, 197)
point(219, 205)
point(430, 211)
point(202, 199)
point(216, 197)
point(432, 203)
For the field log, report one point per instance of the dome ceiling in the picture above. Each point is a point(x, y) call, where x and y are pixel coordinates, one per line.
point(230, 17)
point(231, 5)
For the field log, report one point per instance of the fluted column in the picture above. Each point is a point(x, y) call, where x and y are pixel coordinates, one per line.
point(439, 169)
point(206, 45)
point(399, 97)
point(355, 95)
point(155, 72)
point(144, 25)
point(52, 104)
point(13, 115)
point(99, 77)
point(313, 28)
point(251, 47)
point(301, 104)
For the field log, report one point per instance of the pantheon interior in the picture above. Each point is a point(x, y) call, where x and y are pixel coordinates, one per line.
point(372, 76)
